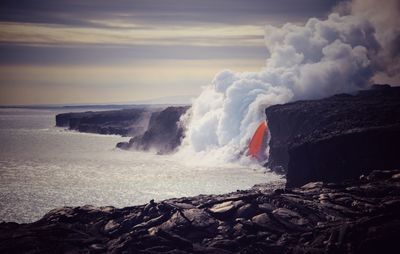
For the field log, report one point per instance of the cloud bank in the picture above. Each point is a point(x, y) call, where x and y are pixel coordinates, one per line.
point(341, 53)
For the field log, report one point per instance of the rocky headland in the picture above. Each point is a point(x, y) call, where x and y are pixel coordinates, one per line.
point(124, 122)
point(163, 135)
point(336, 138)
point(156, 129)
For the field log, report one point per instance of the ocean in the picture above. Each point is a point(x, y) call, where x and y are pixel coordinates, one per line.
point(43, 167)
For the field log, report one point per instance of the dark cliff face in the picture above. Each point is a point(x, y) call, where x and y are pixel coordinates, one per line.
point(336, 138)
point(154, 129)
point(163, 135)
point(125, 122)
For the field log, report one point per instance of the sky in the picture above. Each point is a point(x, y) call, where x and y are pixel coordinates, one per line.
point(78, 52)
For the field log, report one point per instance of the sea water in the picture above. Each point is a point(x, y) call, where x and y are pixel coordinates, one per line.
point(43, 167)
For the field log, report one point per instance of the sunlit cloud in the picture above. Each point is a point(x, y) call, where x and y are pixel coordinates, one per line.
point(29, 33)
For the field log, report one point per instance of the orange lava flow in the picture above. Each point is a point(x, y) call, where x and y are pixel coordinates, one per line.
point(257, 141)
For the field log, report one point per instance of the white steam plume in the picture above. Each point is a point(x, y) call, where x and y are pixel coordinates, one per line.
point(323, 57)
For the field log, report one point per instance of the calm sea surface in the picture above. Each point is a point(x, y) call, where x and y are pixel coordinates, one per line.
point(43, 167)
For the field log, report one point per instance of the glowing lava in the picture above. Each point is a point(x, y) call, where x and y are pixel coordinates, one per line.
point(258, 142)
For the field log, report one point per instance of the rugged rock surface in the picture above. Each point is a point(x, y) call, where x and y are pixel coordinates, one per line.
point(125, 122)
point(163, 135)
point(362, 216)
point(336, 138)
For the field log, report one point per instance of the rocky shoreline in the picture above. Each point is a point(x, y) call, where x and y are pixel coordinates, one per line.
point(163, 133)
point(124, 122)
point(331, 139)
point(361, 216)
point(151, 128)
point(323, 146)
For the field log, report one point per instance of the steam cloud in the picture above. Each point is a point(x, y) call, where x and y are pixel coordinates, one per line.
point(342, 53)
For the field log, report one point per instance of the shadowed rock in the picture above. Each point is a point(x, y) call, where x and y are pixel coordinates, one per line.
point(155, 129)
point(163, 135)
point(124, 122)
point(337, 138)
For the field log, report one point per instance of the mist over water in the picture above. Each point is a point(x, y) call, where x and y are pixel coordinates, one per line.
point(43, 167)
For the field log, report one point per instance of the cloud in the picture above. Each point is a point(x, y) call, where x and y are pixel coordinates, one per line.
point(27, 33)
point(384, 17)
point(161, 12)
point(323, 57)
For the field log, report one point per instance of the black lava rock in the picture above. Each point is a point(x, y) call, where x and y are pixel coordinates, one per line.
point(360, 216)
point(163, 135)
point(124, 122)
point(337, 138)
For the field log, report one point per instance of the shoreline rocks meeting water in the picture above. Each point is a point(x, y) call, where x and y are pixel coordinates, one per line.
point(342, 193)
point(331, 139)
point(163, 134)
point(151, 128)
point(360, 216)
point(124, 122)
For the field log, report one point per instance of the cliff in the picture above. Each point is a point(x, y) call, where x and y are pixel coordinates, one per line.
point(124, 122)
point(362, 216)
point(155, 129)
point(336, 138)
point(163, 134)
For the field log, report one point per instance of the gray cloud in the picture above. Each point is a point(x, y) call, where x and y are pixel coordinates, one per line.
point(179, 12)
point(106, 54)
point(147, 15)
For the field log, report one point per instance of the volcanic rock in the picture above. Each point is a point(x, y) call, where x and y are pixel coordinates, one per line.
point(155, 129)
point(336, 138)
point(124, 122)
point(350, 217)
point(163, 135)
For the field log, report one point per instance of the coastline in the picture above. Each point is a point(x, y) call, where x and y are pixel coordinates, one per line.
point(333, 203)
